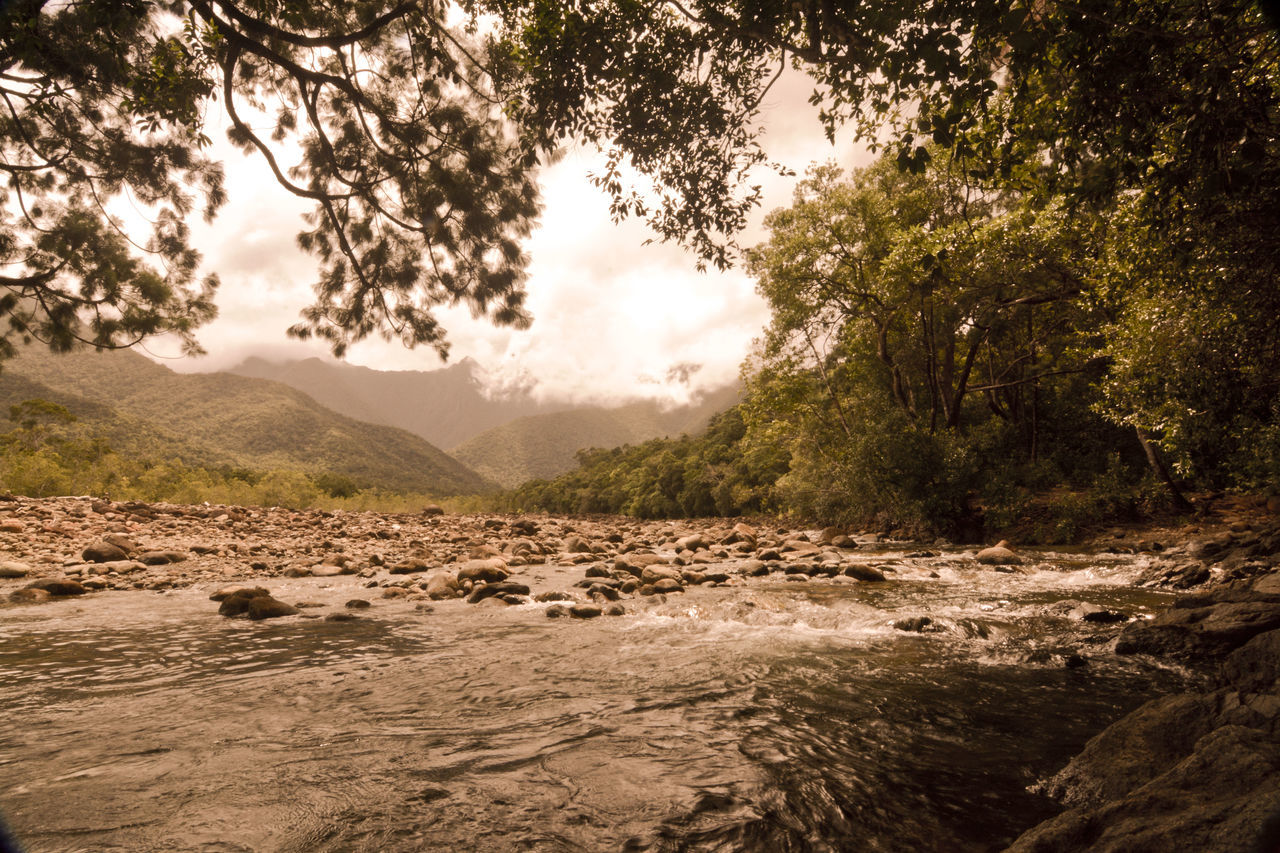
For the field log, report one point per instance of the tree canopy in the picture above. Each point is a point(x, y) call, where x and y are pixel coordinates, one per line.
point(378, 112)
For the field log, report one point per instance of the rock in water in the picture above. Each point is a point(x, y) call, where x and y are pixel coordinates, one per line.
point(864, 573)
point(266, 607)
point(254, 602)
point(998, 555)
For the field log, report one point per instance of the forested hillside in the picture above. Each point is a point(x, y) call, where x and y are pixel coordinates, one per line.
point(446, 407)
point(146, 412)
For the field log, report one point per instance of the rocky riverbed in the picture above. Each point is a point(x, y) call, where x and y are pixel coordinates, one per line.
point(1188, 771)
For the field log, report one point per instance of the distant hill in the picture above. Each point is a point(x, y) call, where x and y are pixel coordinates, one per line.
point(446, 406)
point(218, 418)
point(544, 446)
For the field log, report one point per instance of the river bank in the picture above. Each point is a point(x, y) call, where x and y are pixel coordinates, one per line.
point(1157, 779)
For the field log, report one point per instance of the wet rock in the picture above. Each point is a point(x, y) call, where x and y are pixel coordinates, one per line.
point(1222, 794)
point(410, 565)
point(340, 616)
point(755, 568)
point(1086, 612)
point(864, 573)
point(1187, 632)
point(59, 586)
point(654, 573)
point(499, 588)
point(998, 555)
point(241, 602)
point(226, 592)
point(917, 625)
point(585, 611)
point(358, 604)
point(557, 611)
point(544, 597)
point(601, 591)
point(487, 571)
point(667, 585)
point(29, 596)
point(103, 552)
point(1255, 666)
point(267, 607)
point(615, 609)
point(443, 585)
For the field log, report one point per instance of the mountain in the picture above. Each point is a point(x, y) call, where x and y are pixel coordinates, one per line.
point(543, 446)
point(143, 408)
point(446, 406)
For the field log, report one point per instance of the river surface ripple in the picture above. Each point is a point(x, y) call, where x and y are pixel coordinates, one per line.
point(771, 716)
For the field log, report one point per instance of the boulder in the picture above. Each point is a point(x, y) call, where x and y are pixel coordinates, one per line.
point(1191, 632)
point(1255, 666)
point(29, 596)
point(585, 611)
point(11, 569)
point(267, 607)
point(239, 601)
point(59, 586)
point(653, 573)
point(998, 555)
point(443, 585)
point(1222, 796)
point(499, 588)
point(103, 552)
point(864, 573)
point(488, 571)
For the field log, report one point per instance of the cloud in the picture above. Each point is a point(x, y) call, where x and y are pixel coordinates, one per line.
point(614, 318)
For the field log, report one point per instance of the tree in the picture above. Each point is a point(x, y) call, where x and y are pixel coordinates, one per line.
point(421, 192)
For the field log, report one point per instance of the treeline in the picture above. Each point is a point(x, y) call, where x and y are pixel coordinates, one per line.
point(945, 351)
point(48, 451)
point(713, 473)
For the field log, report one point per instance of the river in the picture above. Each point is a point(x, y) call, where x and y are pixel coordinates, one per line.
point(767, 715)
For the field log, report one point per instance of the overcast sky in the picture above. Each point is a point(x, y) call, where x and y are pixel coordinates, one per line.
point(613, 318)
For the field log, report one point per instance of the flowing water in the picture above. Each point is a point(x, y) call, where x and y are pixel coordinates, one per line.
point(773, 716)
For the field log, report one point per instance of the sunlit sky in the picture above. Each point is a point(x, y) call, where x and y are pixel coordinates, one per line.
point(612, 316)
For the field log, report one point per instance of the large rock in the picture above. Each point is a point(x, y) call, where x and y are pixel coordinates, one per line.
point(998, 555)
point(443, 585)
point(654, 573)
point(864, 573)
point(103, 552)
point(1190, 632)
point(500, 588)
point(59, 586)
point(11, 569)
point(1223, 796)
point(1255, 666)
point(267, 607)
point(255, 603)
point(488, 571)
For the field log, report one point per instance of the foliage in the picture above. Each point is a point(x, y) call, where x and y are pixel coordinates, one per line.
point(52, 452)
point(422, 195)
point(715, 473)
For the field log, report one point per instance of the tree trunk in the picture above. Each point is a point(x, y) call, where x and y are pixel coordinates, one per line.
point(1162, 471)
